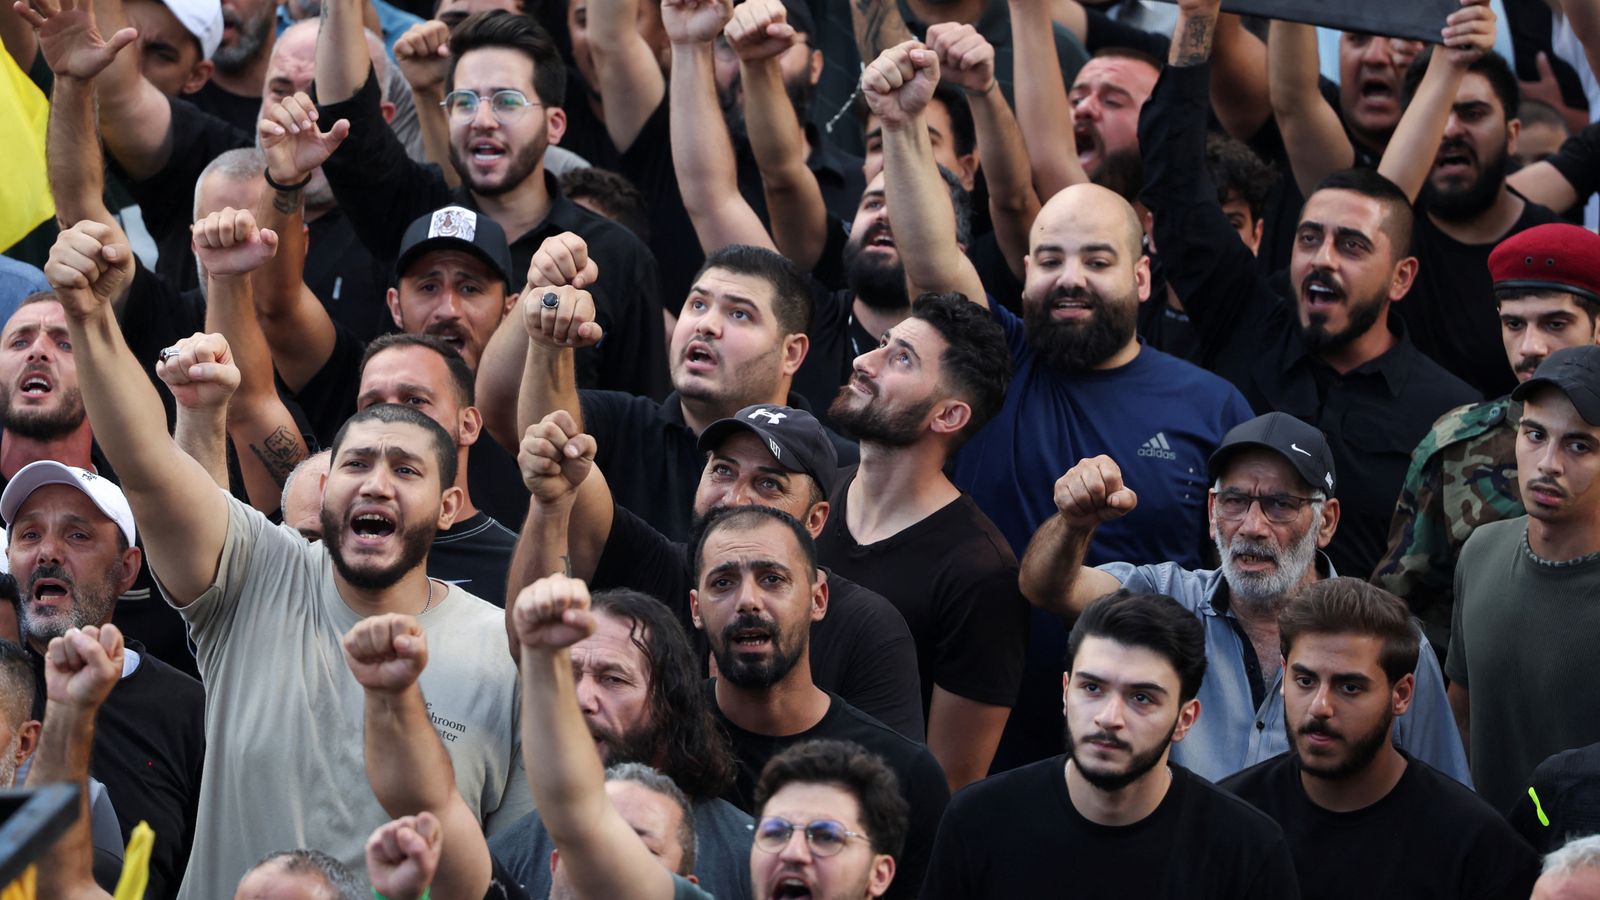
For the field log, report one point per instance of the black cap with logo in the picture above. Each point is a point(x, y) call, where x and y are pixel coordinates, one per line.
point(456, 227)
point(1575, 371)
point(794, 437)
point(1302, 445)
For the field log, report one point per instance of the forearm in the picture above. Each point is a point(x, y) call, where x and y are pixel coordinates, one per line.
point(794, 199)
point(963, 735)
point(342, 60)
point(877, 26)
point(434, 124)
point(1051, 568)
point(549, 383)
point(135, 117)
point(1584, 17)
point(1012, 201)
point(1411, 151)
point(631, 85)
point(1239, 78)
point(202, 434)
point(407, 765)
point(702, 155)
point(1313, 138)
point(564, 769)
point(925, 222)
point(66, 867)
point(1044, 114)
point(77, 180)
point(295, 328)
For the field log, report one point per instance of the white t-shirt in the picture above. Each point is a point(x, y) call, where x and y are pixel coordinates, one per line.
point(284, 763)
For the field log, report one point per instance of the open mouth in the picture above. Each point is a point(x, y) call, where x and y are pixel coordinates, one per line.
point(1320, 296)
point(880, 237)
point(1254, 559)
point(1377, 89)
point(486, 151)
point(791, 889)
point(372, 526)
point(450, 335)
point(1087, 137)
point(49, 590)
point(699, 356)
point(35, 385)
point(752, 640)
point(1071, 308)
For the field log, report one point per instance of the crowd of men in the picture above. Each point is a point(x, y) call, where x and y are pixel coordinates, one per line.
point(799, 448)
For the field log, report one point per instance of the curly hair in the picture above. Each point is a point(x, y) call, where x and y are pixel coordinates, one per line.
point(976, 362)
point(856, 771)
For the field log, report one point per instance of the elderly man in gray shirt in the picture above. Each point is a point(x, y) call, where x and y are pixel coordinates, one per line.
point(1271, 507)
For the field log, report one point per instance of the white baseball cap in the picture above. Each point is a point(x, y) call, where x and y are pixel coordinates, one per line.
point(201, 18)
point(107, 496)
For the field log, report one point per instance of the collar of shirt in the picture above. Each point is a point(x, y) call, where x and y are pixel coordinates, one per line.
point(1394, 366)
point(1216, 602)
point(564, 215)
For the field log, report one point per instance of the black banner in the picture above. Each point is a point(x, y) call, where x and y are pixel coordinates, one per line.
point(1420, 20)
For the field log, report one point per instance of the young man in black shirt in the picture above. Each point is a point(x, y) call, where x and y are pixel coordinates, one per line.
point(1344, 792)
point(1113, 816)
point(901, 528)
point(757, 594)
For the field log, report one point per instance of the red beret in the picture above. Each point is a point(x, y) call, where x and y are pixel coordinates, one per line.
point(1555, 257)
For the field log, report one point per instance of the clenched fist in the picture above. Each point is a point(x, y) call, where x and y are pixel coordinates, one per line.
point(1092, 492)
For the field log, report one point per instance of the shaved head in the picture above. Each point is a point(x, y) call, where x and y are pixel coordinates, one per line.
point(1100, 210)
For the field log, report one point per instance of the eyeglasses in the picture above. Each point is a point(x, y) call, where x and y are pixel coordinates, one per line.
point(825, 837)
point(506, 105)
point(1282, 509)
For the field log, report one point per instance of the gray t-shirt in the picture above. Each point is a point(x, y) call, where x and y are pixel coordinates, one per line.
point(284, 764)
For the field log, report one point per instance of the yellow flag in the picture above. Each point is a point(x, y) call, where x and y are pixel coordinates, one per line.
point(25, 199)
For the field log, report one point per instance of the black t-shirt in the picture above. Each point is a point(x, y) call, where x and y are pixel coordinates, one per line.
point(236, 109)
point(329, 397)
point(496, 483)
point(1451, 312)
point(149, 749)
point(157, 315)
point(347, 279)
point(1567, 788)
point(954, 579)
point(1429, 838)
point(1017, 834)
point(922, 782)
point(861, 650)
point(475, 555)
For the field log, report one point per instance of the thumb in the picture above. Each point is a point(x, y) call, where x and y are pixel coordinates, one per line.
point(1542, 63)
point(1123, 499)
point(215, 373)
point(122, 39)
point(269, 238)
point(337, 134)
point(591, 331)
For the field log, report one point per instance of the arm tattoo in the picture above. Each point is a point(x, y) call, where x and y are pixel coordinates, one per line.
point(878, 25)
point(1194, 44)
point(279, 454)
point(287, 202)
point(566, 565)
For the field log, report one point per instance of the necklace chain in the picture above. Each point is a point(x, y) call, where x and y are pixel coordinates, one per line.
point(426, 606)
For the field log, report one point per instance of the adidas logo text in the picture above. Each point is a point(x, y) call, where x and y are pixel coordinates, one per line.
point(1158, 448)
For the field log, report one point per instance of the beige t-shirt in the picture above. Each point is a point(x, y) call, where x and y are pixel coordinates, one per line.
point(284, 763)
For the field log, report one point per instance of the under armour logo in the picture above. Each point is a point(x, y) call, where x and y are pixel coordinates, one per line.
point(1296, 448)
point(772, 416)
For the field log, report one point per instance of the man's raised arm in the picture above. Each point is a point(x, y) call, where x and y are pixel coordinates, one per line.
point(631, 85)
point(1053, 575)
point(1313, 137)
point(185, 515)
point(600, 852)
point(898, 86)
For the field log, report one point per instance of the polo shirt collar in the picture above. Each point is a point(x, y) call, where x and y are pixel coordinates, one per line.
point(1394, 366)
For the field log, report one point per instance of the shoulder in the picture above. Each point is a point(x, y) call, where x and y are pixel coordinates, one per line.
point(1465, 423)
point(1026, 783)
point(619, 406)
point(1187, 586)
point(1259, 780)
point(852, 724)
point(1503, 535)
point(1429, 384)
point(1231, 814)
point(970, 527)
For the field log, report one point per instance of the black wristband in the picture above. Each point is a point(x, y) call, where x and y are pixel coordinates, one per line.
point(285, 188)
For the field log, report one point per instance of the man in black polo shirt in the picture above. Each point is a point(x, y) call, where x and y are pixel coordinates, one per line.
point(773, 456)
point(1335, 355)
point(1344, 793)
point(504, 82)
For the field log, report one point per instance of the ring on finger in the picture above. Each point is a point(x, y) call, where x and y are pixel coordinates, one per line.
point(550, 300)
point(168, 354)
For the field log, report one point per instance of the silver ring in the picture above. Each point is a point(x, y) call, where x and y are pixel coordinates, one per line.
point(551, 301)
point(168, 354)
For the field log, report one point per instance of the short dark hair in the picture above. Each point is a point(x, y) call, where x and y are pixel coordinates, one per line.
point(613, 193)
point(1513, 294)
point(1491, 65)
point(1116, 51)
point(689, 748)
point(653, 779)
point(444, 447)
point(976, 361)
point(498, 28)
point(848, 766)
point(791, 295)
point(1537, 112)
point(18, 684)
point(748, 518)
point(963, 132)
point(1398, 218)
point(1237, 171)
point(1352, 606)
point(461, 377)
point(38, 297)
point(345, 884)
point(1153, 621)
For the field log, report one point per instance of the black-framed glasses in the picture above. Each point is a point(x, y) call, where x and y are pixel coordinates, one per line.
point(507, 105)
point(1232, 505)
point(825, 837)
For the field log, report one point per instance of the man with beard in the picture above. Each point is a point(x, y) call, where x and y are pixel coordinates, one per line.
point(71, 548)
point(757, 593)
point(1114, 816)
point(1464, 473)
point(1522, 615)
point(239, 65)
point(266, 609)
point(1272, 506)
point(638, 684)
point(1344, 792)
point(503, 88)
point(1463, 108)
point(1334, 355)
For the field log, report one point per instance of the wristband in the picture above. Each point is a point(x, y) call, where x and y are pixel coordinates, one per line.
point(284, 188)
point(378, 896)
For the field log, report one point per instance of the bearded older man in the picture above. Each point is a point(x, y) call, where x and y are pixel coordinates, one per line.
point(1271, 508)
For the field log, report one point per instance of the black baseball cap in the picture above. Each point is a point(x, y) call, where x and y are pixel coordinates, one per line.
point(1302, 445)
point(456, 227)
point(798, 15)
point(796, 439)
point(1576, 372)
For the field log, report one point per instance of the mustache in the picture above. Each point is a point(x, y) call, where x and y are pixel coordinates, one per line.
point(1104, 738)
point(1252, 548)
point(1321, 278)
point(1528, 363)
point(1318, 727)
point(1546, 481)
point(52, 571)
point(749, 622)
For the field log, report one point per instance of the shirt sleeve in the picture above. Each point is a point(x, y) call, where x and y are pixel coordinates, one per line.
point(1428, 729)
point(250, 538)
point(1418, 563)
point(983, 637)
point(1578, 161)
point(377, 185)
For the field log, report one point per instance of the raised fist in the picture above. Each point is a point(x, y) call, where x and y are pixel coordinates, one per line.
point(563, 259)
point(403, 855)
point(560, 317)
point(553, 613)
point(228, 242)
point(199, 371)
point(966, 58)
point(900, 82)
point(555, 457)
point(69, 38)
point(387, 653)
point(695, 21)
point(293, 143)
point(760, 30)
point(89, 266)
point(423, 53)
point(1092, 492)
point(83, 665)
point(1468, 32)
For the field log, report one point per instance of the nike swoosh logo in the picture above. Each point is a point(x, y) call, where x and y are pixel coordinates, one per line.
point(1296, 448)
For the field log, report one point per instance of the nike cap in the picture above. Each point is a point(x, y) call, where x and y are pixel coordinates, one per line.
point(1302, 445)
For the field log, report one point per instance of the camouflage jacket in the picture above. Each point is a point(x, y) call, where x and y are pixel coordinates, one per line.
point(1462, 475)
